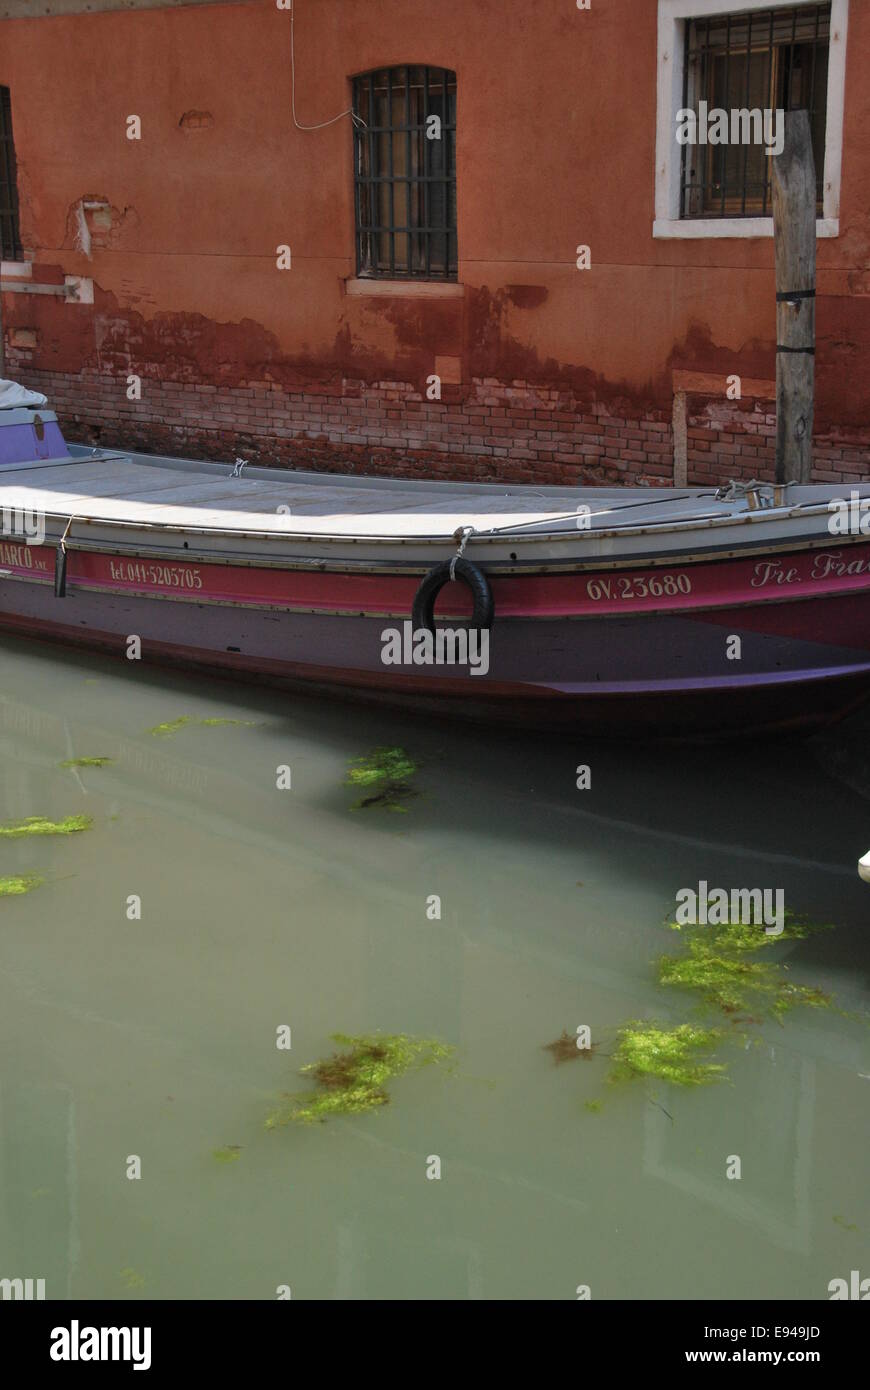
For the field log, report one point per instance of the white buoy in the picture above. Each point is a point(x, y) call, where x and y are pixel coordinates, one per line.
point(864, 867)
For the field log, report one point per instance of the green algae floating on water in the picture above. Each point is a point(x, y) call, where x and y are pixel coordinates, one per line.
point(385, 774)
point(668, 1054)
point(354, 1081)
point(87, 762)
point(714, 964)
point(18, 884)
point(172, 727)
point(38, 825)
point(229, 1154)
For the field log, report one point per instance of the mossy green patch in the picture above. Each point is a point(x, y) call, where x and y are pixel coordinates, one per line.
point(354, 1081)
point(38, 825)
point(846, 1225)
point(714, 964)
point(87, 762)
point(668, 1054)
point(18, 884)
point(385, 774)
point(229, 1154)
point(172, 727)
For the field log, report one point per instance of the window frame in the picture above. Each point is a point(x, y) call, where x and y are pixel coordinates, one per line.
point(365, 270)
point(14, 254)
point(673, 21)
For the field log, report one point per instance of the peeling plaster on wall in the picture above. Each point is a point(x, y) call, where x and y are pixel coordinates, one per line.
point(94, 224)
point(82, 235)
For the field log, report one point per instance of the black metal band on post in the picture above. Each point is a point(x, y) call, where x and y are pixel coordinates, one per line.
point(781, 348)
point(785, 296)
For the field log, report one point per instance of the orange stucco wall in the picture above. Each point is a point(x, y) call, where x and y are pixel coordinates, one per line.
point(555, 147)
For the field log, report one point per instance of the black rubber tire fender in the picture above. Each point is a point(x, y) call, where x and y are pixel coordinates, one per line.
point(423, 611)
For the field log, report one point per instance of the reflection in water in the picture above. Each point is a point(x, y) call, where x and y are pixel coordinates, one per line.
point(262, 908)
point(38, 1189)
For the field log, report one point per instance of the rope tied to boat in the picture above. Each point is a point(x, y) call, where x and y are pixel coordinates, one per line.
point(462, 534)
point(240, 463)
point(60, 563)
point(736, 488)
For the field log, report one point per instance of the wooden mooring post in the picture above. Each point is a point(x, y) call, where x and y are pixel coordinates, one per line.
point(794, 241)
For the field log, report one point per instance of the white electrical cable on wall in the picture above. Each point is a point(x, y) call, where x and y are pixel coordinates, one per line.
point(357, 120)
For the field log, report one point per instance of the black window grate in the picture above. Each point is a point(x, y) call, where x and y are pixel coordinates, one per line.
point(405, 173)
point(10, 243)
point(756, 60)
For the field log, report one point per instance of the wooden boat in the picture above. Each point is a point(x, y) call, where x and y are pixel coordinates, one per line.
point(614, 609)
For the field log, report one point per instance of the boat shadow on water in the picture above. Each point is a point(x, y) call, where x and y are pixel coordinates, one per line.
point(653, 818)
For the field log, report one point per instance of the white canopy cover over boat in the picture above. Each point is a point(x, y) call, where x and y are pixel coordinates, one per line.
point(13, 396)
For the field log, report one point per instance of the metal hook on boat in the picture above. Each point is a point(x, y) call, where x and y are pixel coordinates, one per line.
point(462, 534)
point(60, 564)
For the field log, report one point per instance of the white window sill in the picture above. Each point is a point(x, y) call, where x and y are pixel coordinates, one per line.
point(694, 228)
point(16, 270)
point(405, 289)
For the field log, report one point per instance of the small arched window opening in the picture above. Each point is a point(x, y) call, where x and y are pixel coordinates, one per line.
point(405, 173)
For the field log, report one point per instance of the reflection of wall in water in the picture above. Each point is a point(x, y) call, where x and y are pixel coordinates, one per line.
point(38, 1230)
point(414, 967)
point(435, 1265)
point(774, 1142)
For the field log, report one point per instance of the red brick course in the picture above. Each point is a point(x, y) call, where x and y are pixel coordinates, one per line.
point(511, 432)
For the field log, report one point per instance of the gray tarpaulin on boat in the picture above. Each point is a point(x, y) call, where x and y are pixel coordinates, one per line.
point(14, 396)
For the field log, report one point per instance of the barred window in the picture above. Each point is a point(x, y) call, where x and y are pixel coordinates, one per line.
point(10, 243)
point(760, 59)
point(405, 173)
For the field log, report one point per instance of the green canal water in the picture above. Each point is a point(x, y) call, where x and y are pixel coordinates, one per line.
point(154, 1037)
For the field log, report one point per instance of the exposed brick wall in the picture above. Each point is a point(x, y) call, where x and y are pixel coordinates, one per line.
point(731, 440)
point(490, 430)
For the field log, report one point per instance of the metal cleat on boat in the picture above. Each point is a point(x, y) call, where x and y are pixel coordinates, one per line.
point(864, 867)
point(759, 496)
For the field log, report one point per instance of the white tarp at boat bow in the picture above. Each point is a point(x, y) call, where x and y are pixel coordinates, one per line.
point(13, 396)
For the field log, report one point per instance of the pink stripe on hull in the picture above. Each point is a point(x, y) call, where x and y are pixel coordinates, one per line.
point(751, 584)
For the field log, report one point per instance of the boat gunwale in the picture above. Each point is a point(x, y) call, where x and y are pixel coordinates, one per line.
point(558, 567)
point(801, 511)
